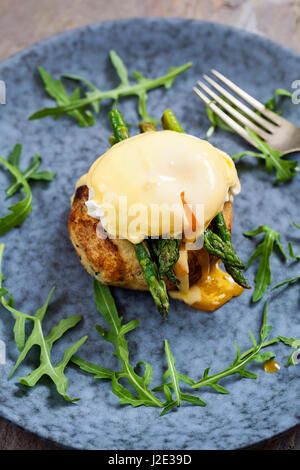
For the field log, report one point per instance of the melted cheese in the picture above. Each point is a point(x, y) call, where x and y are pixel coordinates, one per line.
point(181, 269)
point(156, 168)
point(214, 288)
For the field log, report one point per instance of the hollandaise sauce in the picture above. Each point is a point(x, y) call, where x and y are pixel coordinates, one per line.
point(155, 169)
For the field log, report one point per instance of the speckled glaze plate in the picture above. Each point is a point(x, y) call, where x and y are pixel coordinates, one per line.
point(39, 254)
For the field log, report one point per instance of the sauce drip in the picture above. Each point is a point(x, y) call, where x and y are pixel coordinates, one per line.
point(271, 366)
point(214, 288)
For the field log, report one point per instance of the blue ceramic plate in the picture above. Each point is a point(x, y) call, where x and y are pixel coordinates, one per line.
point(39, 254)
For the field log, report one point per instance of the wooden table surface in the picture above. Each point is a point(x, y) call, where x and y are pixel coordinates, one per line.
point(25, 22)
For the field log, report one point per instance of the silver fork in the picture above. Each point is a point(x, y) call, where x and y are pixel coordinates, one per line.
point(279, 133)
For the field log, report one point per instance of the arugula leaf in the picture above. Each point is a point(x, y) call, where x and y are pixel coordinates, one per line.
point(174, 384)
point(285, 169)
point(289, 281)
point(30, 173)
point(264, 251)
point(237, 367)
point(215, 120)
point(56, 90)
point(272, 102)
point(293, 343)
point(252, 354)
point(76, 106)
point(291, 251)
point(20, 210)
point(262, 357)
point(241, 360)
point(14, 157)
point(36, 337)
point(295, 257)
point(116, 335)
point(98, 371)
point(294, 279)
point(3, 291)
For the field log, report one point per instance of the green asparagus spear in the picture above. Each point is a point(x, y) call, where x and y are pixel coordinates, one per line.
point(112, 140)
point(118, 125)
point(221, 230)
point(220, 227)
point(217, 247)
point(157, 286)
point(169, 122)
point(167, 254)
point(237, 276)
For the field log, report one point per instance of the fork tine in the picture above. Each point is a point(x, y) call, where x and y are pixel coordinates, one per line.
point(244, 120)
point(233, 124)
point(263, 122)
point(249, 99)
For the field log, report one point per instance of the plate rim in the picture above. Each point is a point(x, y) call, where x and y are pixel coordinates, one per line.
point(147, 19)
point(9, 61)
